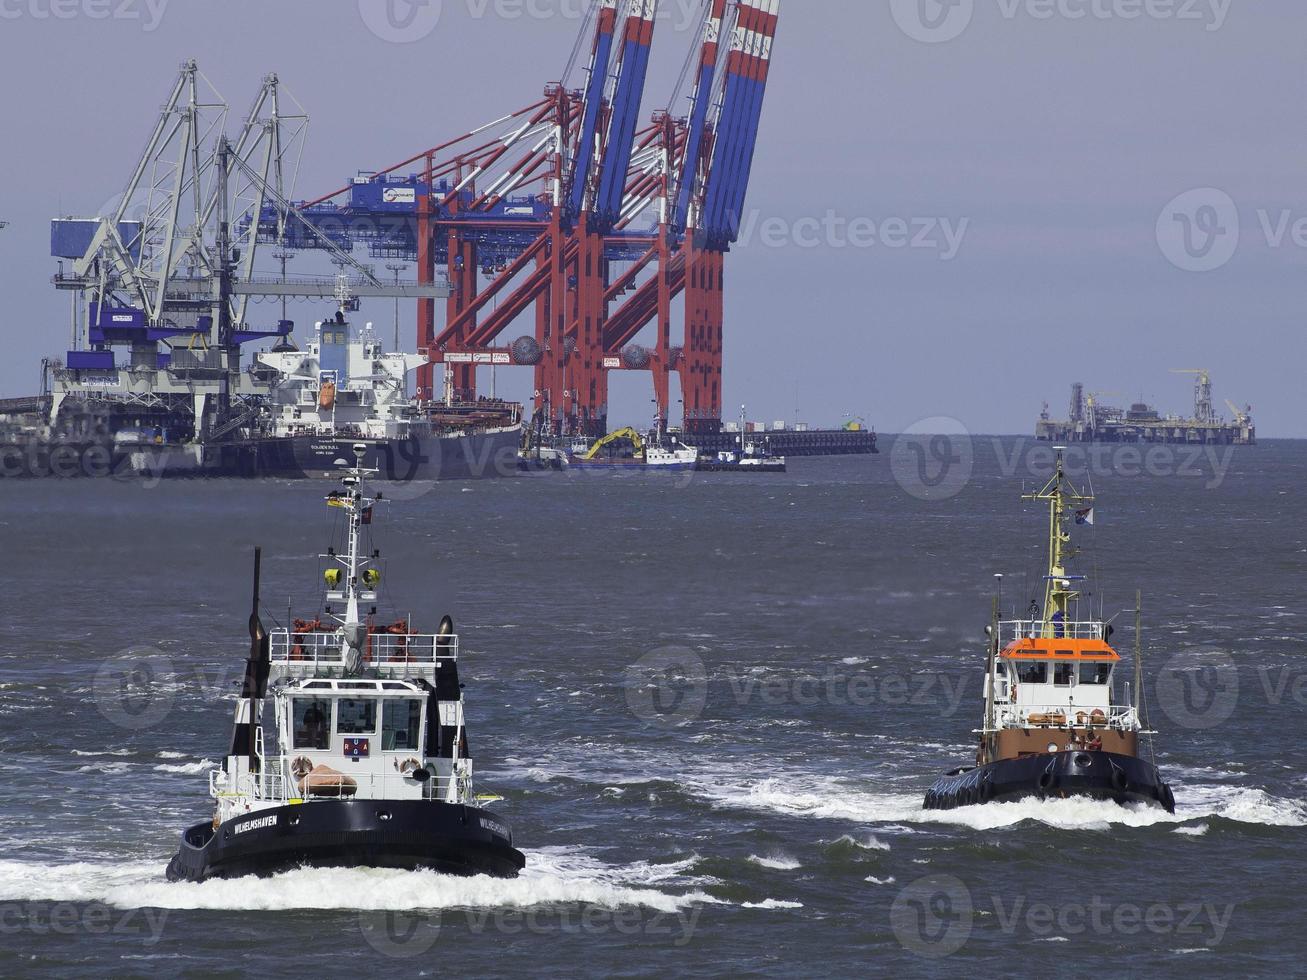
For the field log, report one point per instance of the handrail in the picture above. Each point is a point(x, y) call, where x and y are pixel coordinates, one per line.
point(1066, 715)
point(1025, 629)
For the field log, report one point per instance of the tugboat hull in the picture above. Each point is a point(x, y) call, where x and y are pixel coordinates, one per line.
point(408, 834)
point(1063, 775)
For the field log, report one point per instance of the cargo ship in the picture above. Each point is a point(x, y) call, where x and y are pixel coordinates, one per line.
point(349, 746)
point(1053, 727)
point(345, 390)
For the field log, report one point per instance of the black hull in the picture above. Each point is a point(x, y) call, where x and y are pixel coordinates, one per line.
point(1063, 775)
point(471, 456)
point(405, 834)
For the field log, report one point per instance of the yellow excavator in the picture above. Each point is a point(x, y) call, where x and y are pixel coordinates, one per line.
point(612, 437)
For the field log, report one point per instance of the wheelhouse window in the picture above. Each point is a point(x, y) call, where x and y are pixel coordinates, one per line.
point(1062, 674)
point(1095, 673)
point(311, 721)
point(401, 723)
point(356, 716)
point(1032, 673)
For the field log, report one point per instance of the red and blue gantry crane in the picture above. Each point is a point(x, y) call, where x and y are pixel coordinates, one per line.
point(544, 214)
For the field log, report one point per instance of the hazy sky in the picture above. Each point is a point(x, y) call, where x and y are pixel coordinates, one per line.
point(1034, 150)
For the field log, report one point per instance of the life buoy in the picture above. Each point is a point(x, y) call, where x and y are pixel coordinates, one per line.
point(1047, 780)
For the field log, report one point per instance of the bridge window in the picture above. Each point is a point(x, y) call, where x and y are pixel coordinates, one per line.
point(1095, 673)
point(401, 721)
point(311, 719)
point(356, 716)
point(1062, 674)
point(1032, 673)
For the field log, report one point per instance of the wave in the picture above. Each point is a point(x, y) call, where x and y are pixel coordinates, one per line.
point(834, 798)
point(187, 768)
point(775, 862)
point(772, 903)
point(551, 877)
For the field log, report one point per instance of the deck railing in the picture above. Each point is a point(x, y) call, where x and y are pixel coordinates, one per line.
point(275, 784)
point(1010, 630)
point(1121, 717)
point(395, 655)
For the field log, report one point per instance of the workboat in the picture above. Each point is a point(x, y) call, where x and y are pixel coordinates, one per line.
point(751, 459)
point(626, 449)
point(1053, 726)
point(345, 388)
point(350, 745)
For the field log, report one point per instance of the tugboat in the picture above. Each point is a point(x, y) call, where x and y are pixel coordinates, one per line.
point(350, 745)
point(1053, 728)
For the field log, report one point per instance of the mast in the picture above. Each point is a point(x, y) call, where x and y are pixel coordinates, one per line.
point(1062, 498)
point(1139, 652)
point(359, 576)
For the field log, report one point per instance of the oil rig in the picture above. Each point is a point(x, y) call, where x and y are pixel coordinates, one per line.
point(1092, 420)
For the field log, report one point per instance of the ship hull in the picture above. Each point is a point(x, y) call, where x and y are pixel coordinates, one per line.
point(469, 456)
point(629, 465)
point(1063, 775)
point(406, 834)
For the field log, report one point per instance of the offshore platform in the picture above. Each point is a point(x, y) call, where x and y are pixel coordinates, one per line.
point(1091, 420)
point(555, 235)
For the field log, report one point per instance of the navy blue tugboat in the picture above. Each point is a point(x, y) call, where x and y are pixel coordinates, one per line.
point(1053, 728)
point(349, 747)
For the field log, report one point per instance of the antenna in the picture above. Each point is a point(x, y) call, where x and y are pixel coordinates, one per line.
point(1139, 651)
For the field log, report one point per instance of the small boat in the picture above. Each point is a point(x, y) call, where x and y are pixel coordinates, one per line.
point(350, 745)
point(1053, 727)
point(754, 459)
point(625, 449)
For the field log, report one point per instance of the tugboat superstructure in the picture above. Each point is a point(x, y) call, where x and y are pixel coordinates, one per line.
point(1052, 725)
point(349, 746)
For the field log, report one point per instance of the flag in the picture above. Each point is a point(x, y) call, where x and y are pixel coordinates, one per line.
point(1085, 516)
point(366, 517)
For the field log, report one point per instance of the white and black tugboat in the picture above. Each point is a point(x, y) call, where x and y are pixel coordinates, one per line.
point(350, 746)
point(1053, 728)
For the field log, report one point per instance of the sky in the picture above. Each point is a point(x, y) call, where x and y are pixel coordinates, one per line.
point(957, 208)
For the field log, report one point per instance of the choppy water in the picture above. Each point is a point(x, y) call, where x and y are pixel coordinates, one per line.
point(712, 705)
